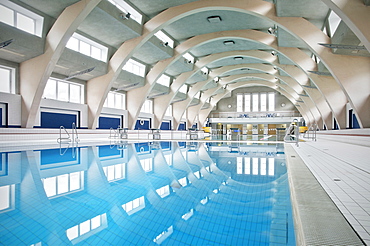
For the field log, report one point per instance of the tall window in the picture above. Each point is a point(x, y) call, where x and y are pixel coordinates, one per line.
point(163, 191)
point(115, 100)
point(21, 18)
point(125, 8)
point(87, 47)
point(255, 102)
point(247, 102)
point(135, 67)
point(64, 91)
point(166, 41)
point(7, 84)
point(239, 103)
point(272, 101)
point(147, 107)
point(263, 102)
point(7, 194)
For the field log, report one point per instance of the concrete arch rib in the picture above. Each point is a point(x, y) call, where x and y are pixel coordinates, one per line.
point(98, 88)
point(350, 72)
point(203, 113)
point(355, 15)
point(34, 73)
point(160, 67)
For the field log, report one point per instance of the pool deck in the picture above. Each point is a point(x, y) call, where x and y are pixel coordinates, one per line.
point(331, 188)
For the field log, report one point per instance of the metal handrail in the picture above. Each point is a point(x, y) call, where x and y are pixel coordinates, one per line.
point(60, 139)
point(74, 131)
point(312, 128)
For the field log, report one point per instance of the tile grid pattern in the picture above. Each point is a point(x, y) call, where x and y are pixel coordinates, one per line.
point(343, 170)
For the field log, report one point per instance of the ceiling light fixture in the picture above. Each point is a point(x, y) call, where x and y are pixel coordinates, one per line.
point(229, 42)
point(214, 19)
point(238, 58)
point(272, 31)
point(274, 53)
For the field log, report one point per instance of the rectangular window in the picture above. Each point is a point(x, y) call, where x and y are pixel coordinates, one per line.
point(21, 18)
point(239, 103)
point(87, 47)
point(115, 172)
point(87, 228)
point(164, 80)
point(263, 166)
point(239, 165)
point(255, 102)
point(271, 101)
point(134, 206)
point(126, 8)
point(135, 67)
point(64, 91)
point(7, 193)
point(263, 100)
point(166, 41)
point(6, 81)
point(183, 89)
point(271, 170)
point(163, 191)
point(63, 184)
point(255, 166)
point(247, 102)
point(115, 100)
point(147, 107)
point(147, 164)
point(247, 165)
point(189, 57)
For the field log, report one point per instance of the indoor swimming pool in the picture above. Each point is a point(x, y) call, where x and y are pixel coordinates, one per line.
point(146, 193)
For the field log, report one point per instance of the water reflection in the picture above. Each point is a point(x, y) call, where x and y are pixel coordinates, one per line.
point(146, 193)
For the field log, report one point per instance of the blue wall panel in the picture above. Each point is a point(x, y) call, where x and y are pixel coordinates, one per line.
point(107, 151)
point(51, 156)
point(142, 124)
point(108, 122)
point(55, 120)
point(182, 126)
point(143, 148)
point(355, 122)
point(166, 125)
point(1, 117)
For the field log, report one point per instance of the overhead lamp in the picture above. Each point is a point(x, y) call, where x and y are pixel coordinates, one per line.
point(274, 53)
point(80, 73)
point(214, 19)
point(238, 58)
point(229, 42)
point(5, 43)
point(216, 79)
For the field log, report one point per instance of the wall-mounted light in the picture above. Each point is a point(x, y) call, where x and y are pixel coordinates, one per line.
point(274, 53)
point(5, 43)
point(238, 58)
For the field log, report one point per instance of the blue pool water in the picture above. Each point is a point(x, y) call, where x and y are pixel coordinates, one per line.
point(147, 193)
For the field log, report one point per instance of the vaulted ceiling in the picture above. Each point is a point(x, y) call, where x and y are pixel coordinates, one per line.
point(243, 42)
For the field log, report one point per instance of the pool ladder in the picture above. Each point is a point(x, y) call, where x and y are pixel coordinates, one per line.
point(68, 139)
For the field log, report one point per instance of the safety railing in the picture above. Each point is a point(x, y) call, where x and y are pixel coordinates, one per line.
point(311, 132)
point(118, 133)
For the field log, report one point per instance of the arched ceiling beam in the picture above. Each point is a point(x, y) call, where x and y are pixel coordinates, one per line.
point(356, 16)
point(34, 73)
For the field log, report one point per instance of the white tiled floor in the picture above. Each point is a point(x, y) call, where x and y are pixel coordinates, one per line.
point(343, 170)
